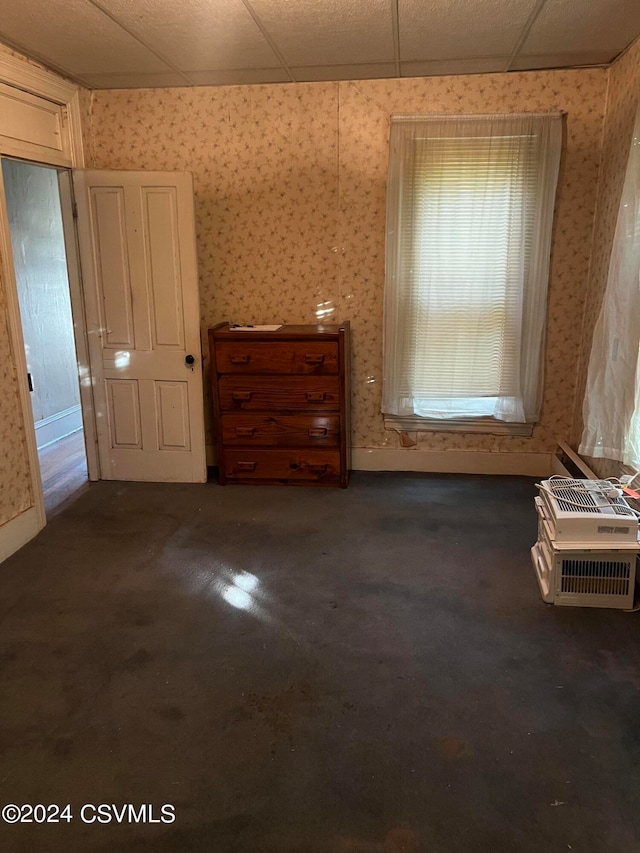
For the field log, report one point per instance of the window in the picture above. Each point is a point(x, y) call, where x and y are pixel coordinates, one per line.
point(469, 215)
point(612, 401)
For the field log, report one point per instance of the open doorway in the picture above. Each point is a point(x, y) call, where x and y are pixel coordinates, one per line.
point(37, 238)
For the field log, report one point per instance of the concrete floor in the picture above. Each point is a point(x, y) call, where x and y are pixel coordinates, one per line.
point(392, 683)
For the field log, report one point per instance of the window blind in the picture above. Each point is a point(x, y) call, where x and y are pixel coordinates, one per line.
point(469, 212)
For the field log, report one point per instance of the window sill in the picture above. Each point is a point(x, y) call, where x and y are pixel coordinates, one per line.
point(488, 426)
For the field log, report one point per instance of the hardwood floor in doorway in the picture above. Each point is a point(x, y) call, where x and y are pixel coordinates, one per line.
point(63, 466)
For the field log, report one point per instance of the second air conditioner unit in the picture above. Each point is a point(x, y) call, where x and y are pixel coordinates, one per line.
point(587, 545)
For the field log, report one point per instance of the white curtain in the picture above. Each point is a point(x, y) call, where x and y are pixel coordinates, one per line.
point(611, 406)
point(469, 214)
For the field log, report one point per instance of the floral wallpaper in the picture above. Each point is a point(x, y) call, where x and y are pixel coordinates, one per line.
point(290, 210)
point(15, 483)
point(622, 103)
point(290, 207)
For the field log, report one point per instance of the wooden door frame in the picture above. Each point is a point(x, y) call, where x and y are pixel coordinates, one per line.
point(27, 79)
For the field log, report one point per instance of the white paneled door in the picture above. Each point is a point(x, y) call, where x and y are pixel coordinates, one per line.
point(137, 246)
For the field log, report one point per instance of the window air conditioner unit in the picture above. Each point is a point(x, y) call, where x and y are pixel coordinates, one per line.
point(587, 544)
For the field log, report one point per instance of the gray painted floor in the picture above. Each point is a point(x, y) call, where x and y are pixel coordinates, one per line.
point(395, 684)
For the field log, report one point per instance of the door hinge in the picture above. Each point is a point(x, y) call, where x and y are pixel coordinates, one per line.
point(75, 209)
point(30, 381)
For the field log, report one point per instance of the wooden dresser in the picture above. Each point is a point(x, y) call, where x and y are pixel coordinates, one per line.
point(281, 404)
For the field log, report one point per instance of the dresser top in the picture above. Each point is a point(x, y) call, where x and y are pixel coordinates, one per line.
point(223, 330)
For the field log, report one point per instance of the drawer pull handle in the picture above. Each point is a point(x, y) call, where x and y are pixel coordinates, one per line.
point(246, 466)
point(314, 359)
point(245, 430)
point(317, 432)
point(239, 359)
point(242, 395)
point(315, 396)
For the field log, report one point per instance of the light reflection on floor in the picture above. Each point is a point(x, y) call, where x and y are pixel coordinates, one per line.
point(237, 592)
point(238, 598)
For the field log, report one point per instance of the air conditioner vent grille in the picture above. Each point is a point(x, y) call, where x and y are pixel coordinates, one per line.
point(596, 577)
point(568, 493)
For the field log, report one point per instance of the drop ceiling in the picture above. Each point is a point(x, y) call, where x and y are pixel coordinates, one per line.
point(140, 43)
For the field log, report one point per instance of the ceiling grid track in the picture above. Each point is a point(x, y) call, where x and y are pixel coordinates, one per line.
point(269, 40)
point(141, 41)
point(395, 22)
point(524, 35)
point(104, 44)
point(43, 60)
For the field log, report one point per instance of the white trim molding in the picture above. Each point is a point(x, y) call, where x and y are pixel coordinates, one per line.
point(18, 532)
point(486, 426)
point(451, 461)
point(27, 75)
point(58, 426)
point(24, 76)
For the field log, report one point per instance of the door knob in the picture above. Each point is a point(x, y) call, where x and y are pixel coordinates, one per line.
point(190, 360)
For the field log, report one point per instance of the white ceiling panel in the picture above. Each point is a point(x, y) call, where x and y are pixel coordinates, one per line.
point(560, 60)
point(334, 32)
point(197, 35)
point(370, 71)
point(239, 77)
point(146, 43)
point(480, 65)
point(75, 36)
point(450, 29)
point(575, 25)
point(135, 81)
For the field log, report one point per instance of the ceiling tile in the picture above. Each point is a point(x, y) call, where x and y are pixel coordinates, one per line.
point(479, 65)
point(561, 60)
point(197, 35)
point(134, 80)
point(334, 32)
point(239, 77)
point(448, 29)
point(74, 35)
point(573, 25)
point(344, 72)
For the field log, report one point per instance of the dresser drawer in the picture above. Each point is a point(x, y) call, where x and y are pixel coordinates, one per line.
point(295, 393)
point(312, 357)
point(289, 465)
point(281, 430)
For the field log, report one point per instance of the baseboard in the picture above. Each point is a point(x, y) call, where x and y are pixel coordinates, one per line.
point(452, 461)
point(443, 461)
point(58, 426)
point(17, 532)
point(566, 459)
